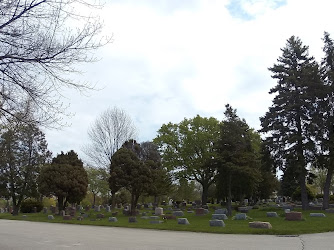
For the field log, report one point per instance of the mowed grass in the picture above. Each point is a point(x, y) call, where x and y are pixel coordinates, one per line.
point(201, 223)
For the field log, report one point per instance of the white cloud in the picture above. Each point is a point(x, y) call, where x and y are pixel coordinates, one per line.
point(171, 60)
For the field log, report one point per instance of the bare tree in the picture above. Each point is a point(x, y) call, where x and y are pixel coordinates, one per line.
point(107, 134)
point(41, 41)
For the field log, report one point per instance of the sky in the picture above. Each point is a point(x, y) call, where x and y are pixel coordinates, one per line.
point(172, 59)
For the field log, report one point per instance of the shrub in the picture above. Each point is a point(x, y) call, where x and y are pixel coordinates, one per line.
point(28, 205)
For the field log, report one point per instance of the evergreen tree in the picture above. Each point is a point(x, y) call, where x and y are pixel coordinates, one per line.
point(288, 123)
point(325, 132)
point(238, 171)
point(23, 149)
point(64, 178)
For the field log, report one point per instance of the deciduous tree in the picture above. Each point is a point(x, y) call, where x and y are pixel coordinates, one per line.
point(188, 149)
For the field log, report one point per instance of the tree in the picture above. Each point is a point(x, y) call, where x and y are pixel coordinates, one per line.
point(40, 43)
point(130, 172)
point(325, 131)
point(162, 183)
point(23, 149)
point(107, 134)
point(238, 171)
point(289, 125)
point(187, 148)
point(64, 178)
point(97, 181)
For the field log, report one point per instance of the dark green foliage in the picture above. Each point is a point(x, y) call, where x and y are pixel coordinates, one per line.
point(28, 206)
point(23, 149)
point(130, 172)
point(187, 149)
point(239, 165)
point(64, 178)
point(325, 116)
point(289, 123)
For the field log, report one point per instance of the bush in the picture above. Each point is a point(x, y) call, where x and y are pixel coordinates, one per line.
point(28, 205)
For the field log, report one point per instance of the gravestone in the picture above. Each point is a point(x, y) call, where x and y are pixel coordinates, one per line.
point(217, 223)
point(190, 211)
point(2, 210)
point(132, 219)
point(243, 209)
point(62, 212)
point(170, 202)
point(100, 216)
point(67, 217)
point(112, 219)
point(317, 215)
point(51, 217)
point(219, 217)
point(85, 215)
point(287, 210)
point(45, 210)
point(143, 214)
point(329, 210)
point(241, 216)
point(260, 224)
point(72, 211)
point(221, 211)
point(108, 209)
point(178, 213)
point(183, 221)
point(170, 217)
point(163, 203)
point(156, 222)
point(145, 217)
point(154, 217)
point(272, 214)
point(159, 211)
point(146, 206)
point(293, 216)
point(24, 216)
point(199, 211)
point(206, 211)
point(98, 208)
point(79, 208)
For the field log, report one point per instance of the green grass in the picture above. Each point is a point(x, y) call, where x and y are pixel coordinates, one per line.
point(201, 223)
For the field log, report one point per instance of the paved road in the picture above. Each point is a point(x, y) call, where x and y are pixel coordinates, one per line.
point(35, 235)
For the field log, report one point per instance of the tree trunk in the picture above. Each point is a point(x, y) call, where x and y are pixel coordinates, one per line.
point(134, 200)
point(303, 190)
point(327, 186)
point(60, 204)
point(205, 194)
point(94, 198)
point(229, 196)
point(113, 199)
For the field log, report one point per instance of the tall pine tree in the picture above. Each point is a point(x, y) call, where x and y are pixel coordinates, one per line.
point(288, 123)
point(325, 132)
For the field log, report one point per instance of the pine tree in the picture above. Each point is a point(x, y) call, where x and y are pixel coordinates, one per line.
point(238, 172)
point(288, 123)
point(325, 113)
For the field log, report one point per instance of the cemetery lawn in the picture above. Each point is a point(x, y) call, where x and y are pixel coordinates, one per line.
point(201, 223)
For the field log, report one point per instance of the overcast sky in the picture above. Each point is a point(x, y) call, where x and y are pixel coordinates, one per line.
point(172, 59)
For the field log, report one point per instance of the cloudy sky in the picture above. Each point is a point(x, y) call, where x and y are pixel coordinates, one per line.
point(172, 59)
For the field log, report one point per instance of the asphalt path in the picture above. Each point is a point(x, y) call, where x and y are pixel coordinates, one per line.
point(37, 235)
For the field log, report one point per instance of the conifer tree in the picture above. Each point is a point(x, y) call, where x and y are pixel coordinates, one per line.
point(288, 123)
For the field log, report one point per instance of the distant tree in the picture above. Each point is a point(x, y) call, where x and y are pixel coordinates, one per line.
point(238, 169)
point(130, 172)
point(97, 181)
point(64, 178)
point(41, 41)
point(185, 190)
point(107, 134)
point(289, 123)
point(23, 149)
point(187, 149)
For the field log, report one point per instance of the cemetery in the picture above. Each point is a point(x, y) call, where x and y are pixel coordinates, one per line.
point(267, 218)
